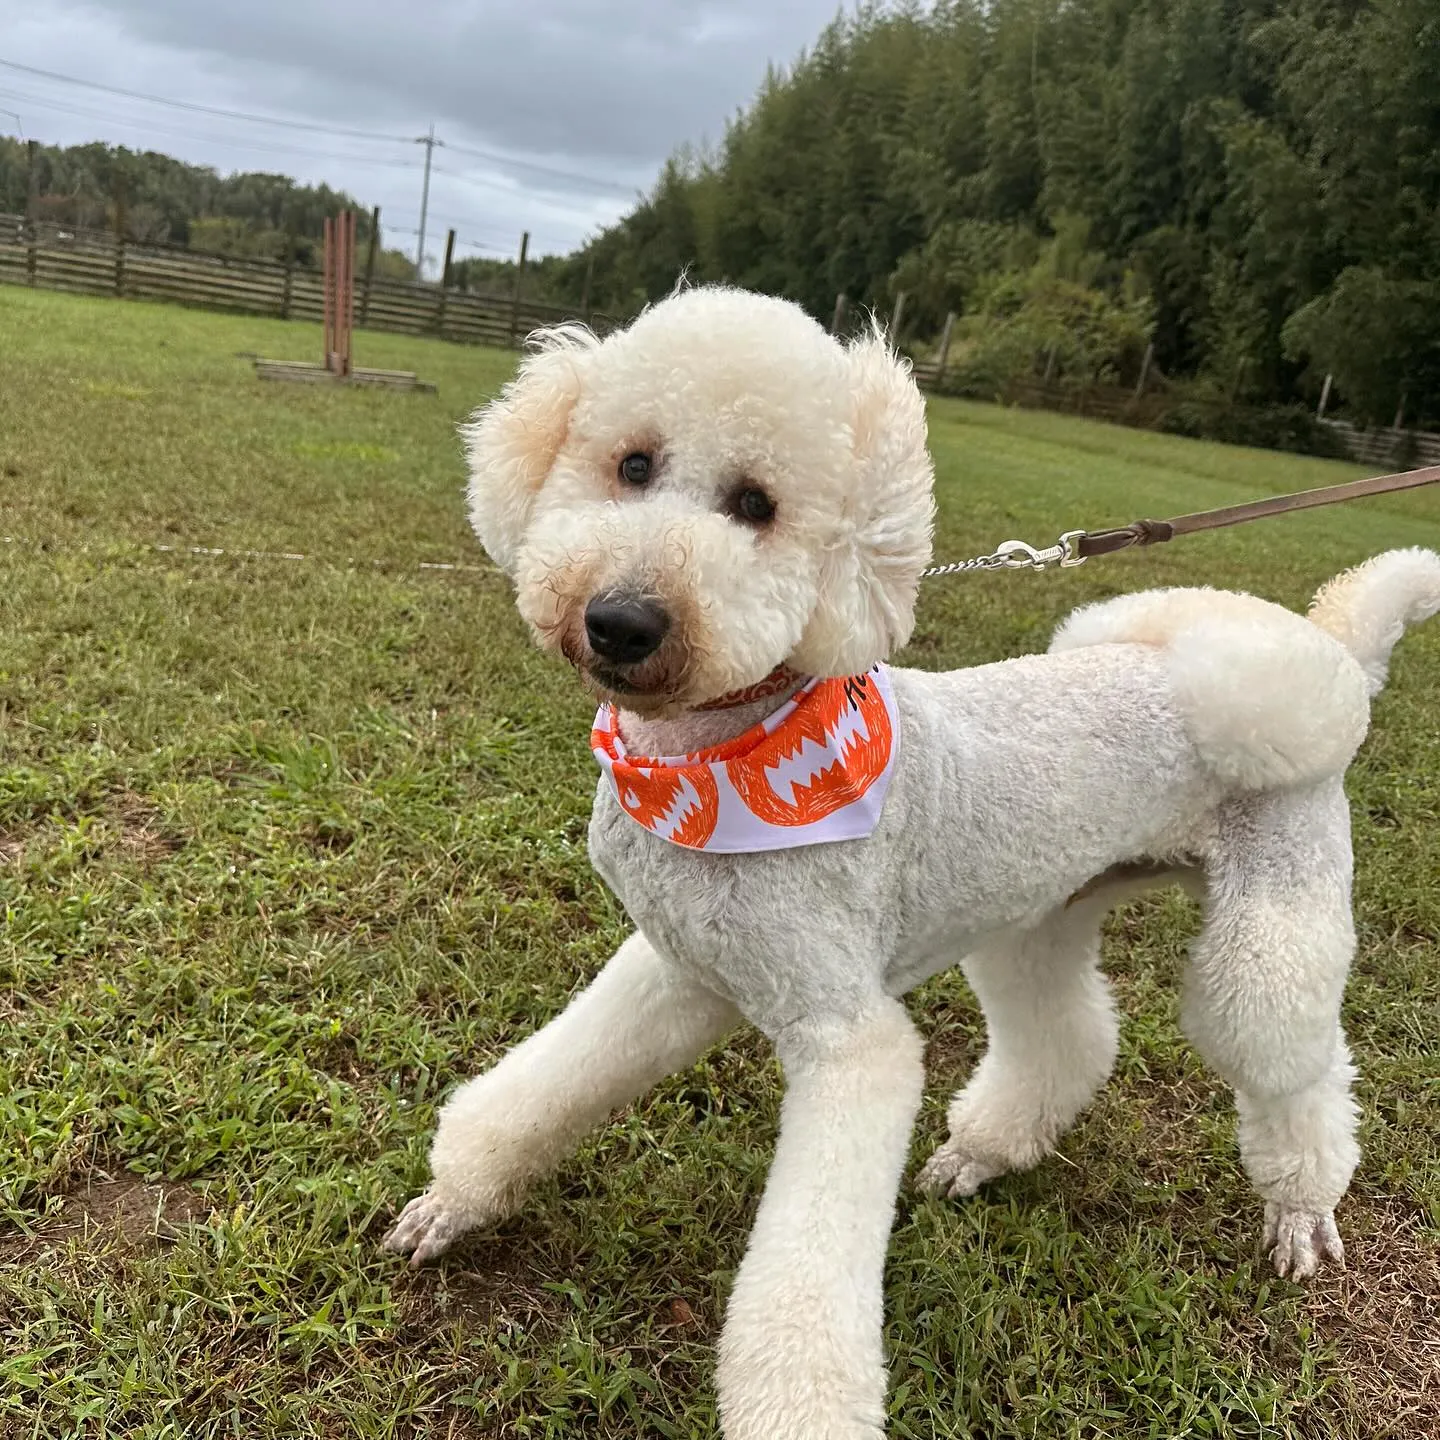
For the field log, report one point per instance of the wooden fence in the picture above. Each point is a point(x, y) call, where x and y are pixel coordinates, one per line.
point(89, 262)
point(1120, 404)
point(96, 263)
point(1383, 445)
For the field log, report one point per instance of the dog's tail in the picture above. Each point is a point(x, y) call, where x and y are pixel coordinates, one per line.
point(1367, 609)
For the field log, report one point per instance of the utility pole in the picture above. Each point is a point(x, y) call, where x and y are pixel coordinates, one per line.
point(429, 142)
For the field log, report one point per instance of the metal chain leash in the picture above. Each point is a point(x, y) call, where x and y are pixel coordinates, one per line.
point(1018, 555)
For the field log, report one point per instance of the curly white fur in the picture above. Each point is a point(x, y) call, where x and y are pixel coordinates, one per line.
point(1187, 732)
point(1236, 666)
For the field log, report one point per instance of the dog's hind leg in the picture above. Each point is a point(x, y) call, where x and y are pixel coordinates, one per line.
point(636, 1022)
point(1262, 1004)
point(1052, 1033)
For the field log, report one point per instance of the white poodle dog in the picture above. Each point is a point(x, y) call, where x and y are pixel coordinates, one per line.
point(713, 515)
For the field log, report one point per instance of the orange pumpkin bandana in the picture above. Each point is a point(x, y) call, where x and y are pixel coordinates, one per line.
point(816, 770)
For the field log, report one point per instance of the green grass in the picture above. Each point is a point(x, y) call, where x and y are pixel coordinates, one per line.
point(288, 848)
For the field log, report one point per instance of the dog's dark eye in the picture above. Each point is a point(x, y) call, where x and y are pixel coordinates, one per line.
point(752, 504)
point(635, 469)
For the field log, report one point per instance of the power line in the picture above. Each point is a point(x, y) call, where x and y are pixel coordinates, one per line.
point(494, 187)
point(430, 141)
point(571, 175)
point(489, 156)
point(202, 109)
point(467, 222)
point(158, 128)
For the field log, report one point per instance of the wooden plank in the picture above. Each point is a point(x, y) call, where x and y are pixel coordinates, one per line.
point(261, 300)
point(141, 273)
point(90, 261)
point(308, 372)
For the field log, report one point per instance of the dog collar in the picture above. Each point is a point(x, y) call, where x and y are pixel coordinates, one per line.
point(816, 770)
point(782, 677)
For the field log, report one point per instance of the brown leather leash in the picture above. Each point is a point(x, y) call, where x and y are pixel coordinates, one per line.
point(1075, 547)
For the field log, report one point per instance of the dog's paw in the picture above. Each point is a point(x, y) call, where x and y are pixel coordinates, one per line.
point(1299, 1242)
point(426, 1227)
point(954, 1172)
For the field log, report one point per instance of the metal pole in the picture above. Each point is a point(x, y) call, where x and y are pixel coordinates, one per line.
point(897, 316)
point(944, 359)
point(429, 142)
point(1144, 370)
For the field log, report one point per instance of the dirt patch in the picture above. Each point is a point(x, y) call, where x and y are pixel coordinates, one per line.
point(13, 843)
point(111, 1212)
point(1382, 1314)
point(487, 1283)
point(124, 825)
point(954, 1040)
point(137, 831)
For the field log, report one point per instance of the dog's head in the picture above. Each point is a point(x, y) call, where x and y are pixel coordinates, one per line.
point(717, 489)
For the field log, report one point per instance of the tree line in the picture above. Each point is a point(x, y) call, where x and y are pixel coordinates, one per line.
point(1253, 186)
point(159, 200)
point(1249, 190)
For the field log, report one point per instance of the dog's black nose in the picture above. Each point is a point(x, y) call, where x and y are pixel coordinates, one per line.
point(623, 630)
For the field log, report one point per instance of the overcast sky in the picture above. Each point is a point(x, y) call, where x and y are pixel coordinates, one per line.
point(567, 107)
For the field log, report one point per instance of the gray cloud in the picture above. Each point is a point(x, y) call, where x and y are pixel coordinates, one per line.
point(600, 92)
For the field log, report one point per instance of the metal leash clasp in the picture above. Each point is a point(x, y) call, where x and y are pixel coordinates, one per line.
point(1018, 555)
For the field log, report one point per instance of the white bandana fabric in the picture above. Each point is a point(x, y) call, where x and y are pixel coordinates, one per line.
point(815, 771)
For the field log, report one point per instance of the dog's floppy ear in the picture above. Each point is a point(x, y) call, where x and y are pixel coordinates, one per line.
point(512, 442)
point(866, 605)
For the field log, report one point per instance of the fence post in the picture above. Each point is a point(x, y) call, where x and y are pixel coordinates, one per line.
point(370, 263)
point(32, 190)
point(1400, 412)
point(944, 348)
point(445, 278)
point(1144, 370)
point(838, 319)
point(119, 232)
point(519, 276)
point(32, 194)
point(327, 312)
point(289, 277)
point(1324, 398)
point(896, 316)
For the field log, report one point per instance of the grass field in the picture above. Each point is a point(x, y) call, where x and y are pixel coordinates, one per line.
point(289, 847)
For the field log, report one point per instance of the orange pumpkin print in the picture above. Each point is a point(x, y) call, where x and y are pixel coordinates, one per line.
point(680, 805)
point(834, 747)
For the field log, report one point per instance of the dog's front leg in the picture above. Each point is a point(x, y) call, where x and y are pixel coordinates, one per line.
point(802, 1353)
point(637, 1021)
